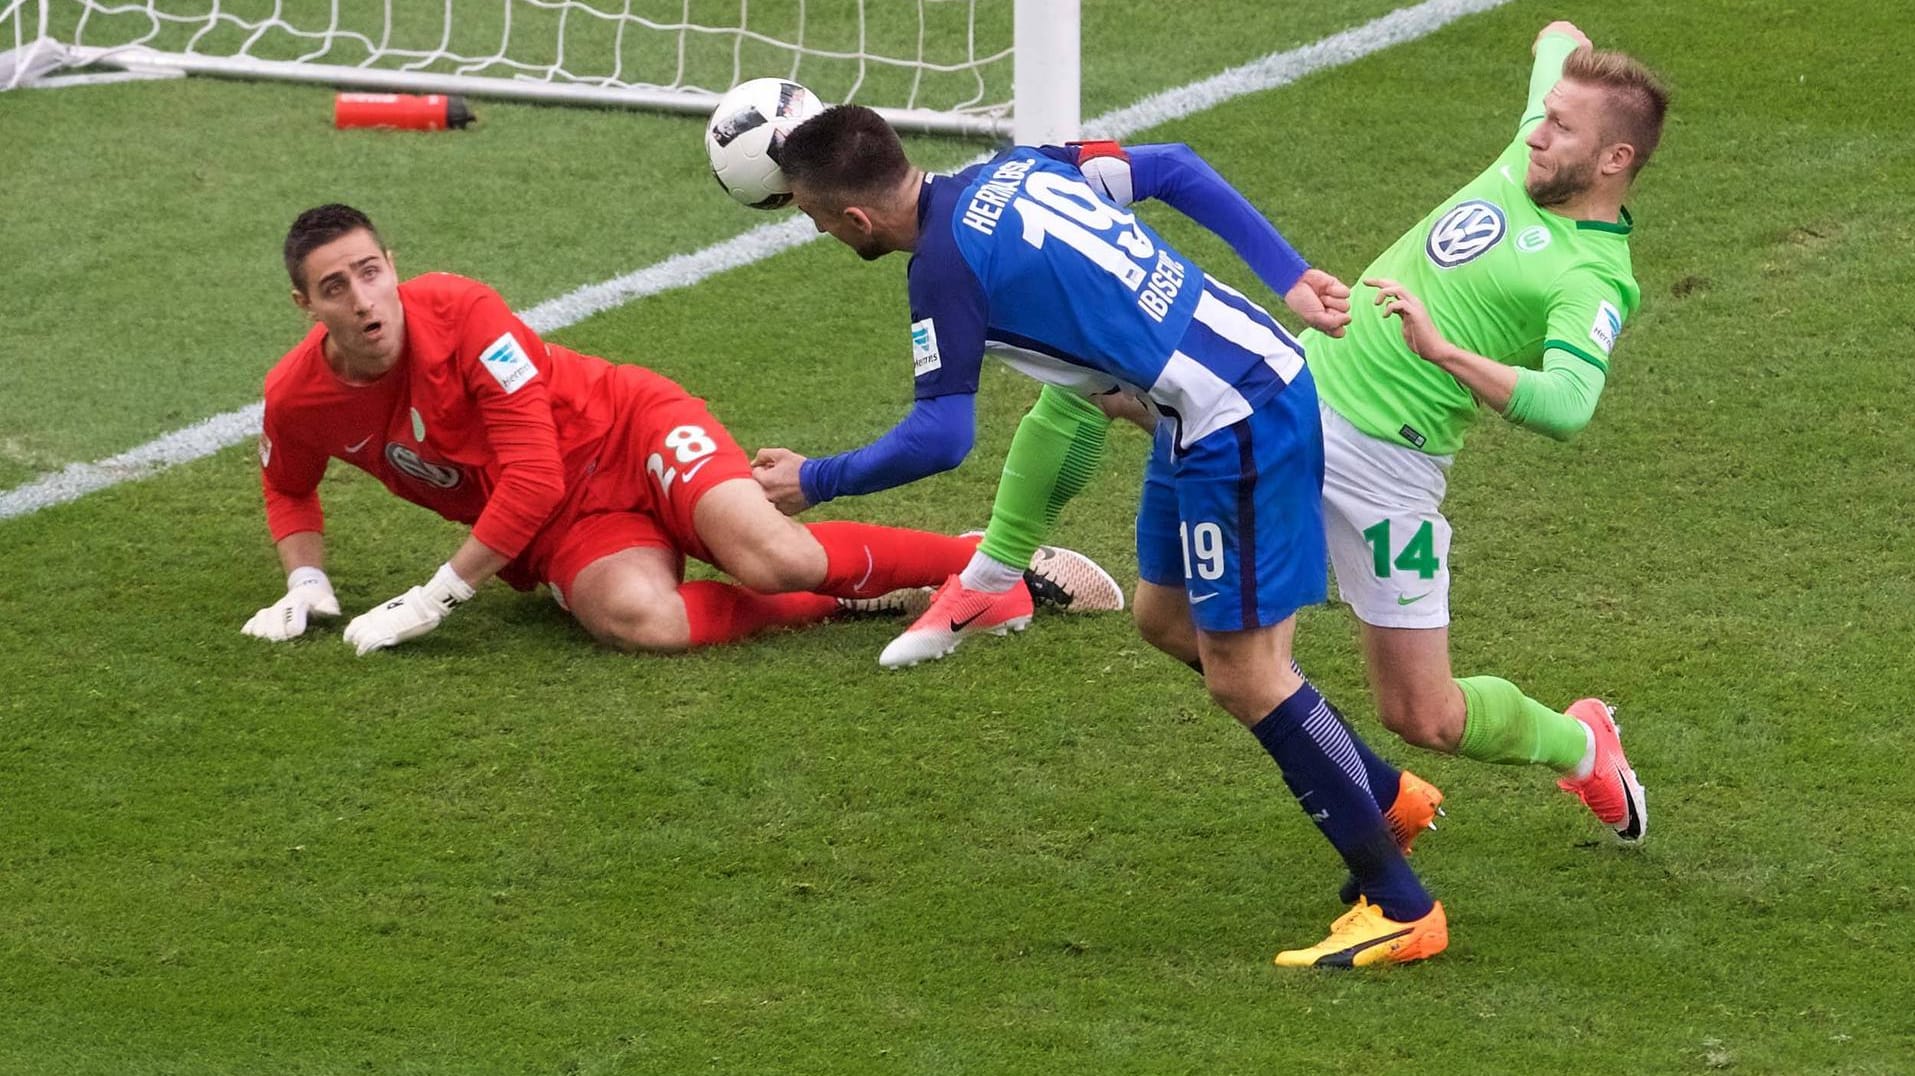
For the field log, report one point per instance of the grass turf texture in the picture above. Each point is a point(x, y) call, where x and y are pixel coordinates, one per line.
point(499, 848)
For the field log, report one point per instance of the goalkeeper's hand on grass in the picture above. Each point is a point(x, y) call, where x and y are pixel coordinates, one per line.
point(409, 615)
point(308, 594)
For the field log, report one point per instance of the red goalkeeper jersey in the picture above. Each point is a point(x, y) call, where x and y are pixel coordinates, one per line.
point(480, 420)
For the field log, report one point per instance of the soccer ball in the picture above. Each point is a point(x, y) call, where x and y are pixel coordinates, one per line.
point(745, 133)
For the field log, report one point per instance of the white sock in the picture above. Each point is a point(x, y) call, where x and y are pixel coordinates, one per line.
point(1588, 764)
point(989, 575)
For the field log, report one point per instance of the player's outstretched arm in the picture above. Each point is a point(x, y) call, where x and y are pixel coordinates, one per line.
point(1179, 177)
point(1556, 401)
point(1490, 381)
point(934, 436)
point(289, 474)
point(1321, 300)
point(1552, 46)
point(421, 608)
point(1564, 28)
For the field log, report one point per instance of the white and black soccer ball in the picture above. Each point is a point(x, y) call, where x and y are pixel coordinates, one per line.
point(745, 133)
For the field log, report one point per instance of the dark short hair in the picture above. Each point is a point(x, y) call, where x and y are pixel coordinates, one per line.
point(844, 153)
point(1638, 100)
point(318, 226)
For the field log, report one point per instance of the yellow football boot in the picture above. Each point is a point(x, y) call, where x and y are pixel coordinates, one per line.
point(1364, 935)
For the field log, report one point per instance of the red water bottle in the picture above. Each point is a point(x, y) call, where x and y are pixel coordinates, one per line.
point(419, 112)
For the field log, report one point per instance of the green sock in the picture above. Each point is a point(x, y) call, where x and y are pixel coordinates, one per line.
point(1503, 725)
point(1053, 455)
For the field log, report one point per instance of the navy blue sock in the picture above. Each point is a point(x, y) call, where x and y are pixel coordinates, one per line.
point(1320, 763)
point(1385, 779)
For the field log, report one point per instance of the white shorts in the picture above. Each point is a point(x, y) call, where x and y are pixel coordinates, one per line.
point(1382, 515)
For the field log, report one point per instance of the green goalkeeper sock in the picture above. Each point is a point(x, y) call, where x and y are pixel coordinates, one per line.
point(1053, 455)
point(1503, 725)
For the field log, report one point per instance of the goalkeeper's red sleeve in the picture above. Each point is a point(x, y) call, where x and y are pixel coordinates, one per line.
point(289, 474)
point(499, 357)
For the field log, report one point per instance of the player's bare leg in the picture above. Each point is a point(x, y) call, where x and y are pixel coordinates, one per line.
point(632, 600)
point(629, 601)
point(1416, 697)
point(1162, 615)
point(1490, 720)
point(768, 551)
point(755, 543)
point(1248, 672)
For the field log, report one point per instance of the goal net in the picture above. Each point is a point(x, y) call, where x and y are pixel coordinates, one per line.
point(951, 66)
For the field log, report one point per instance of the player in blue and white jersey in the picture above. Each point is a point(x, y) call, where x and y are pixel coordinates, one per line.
point(1031, 258)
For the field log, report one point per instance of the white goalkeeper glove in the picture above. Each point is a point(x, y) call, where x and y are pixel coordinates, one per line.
point(409, 615)
point(308, 594)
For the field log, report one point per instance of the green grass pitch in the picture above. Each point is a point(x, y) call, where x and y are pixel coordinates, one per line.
point(502, 849)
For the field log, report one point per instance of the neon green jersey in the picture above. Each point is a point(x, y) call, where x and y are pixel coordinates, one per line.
point(1501, 276)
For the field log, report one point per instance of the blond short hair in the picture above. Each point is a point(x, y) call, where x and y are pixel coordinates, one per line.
point(1638, 99)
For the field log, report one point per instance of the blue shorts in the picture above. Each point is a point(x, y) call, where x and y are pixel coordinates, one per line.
point(1237, 518)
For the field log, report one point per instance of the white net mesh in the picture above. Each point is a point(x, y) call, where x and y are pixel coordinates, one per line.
point(945, 56)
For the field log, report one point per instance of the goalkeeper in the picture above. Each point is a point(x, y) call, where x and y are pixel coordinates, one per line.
point(593, 479)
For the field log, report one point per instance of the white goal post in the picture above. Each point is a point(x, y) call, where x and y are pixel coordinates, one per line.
point(968, 67)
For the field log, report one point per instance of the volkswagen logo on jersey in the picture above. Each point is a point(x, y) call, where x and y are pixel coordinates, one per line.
point(1465, 232)
point(411, 464)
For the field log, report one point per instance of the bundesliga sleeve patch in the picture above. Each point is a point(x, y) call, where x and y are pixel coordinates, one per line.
point(1608, 323)
point(508, 363)
point(924, 348)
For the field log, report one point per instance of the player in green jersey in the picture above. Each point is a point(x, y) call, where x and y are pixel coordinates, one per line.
point(1509, 295)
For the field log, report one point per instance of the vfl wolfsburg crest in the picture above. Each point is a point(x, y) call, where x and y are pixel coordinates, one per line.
point(1465, 232)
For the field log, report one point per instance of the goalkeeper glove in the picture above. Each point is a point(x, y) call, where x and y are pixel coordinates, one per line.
point(308, 593)
point(409, 615)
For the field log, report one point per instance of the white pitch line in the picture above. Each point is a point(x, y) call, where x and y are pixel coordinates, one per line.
point(221, 431)
point(1282, 68)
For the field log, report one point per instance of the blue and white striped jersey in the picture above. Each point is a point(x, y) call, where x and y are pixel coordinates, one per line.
point(1023, 258)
